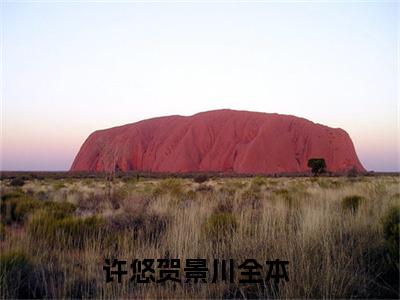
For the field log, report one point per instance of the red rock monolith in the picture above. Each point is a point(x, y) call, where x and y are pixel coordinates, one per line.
point(218, 141)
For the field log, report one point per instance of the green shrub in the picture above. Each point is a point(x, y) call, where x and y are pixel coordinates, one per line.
point(258, 181)
point(59, 210)
point(228, 191)
point(17, 182)
point(115, 196)
point(272, 182)
point(288, 197)
point(323, 183)
point(336, 184)
point(24, 206)
point(88, 182)
point(220, 225)
point(200, 178)
point(328, 183)
point(352, 203)
point(391, 231)
point(13, 194)
point(58, 185)
point(17, 278)
point(252, 196)
point(234, 184)
point(67, 231)
point(16, 209)
point(190, 195)
point(171, 185)
point(284, 193)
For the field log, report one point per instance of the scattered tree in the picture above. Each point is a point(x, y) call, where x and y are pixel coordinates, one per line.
point(317, 165)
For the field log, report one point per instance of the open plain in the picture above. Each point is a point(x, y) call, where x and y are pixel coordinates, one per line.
point(337, 233)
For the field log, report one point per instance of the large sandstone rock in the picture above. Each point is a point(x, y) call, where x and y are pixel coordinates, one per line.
point(221, 140)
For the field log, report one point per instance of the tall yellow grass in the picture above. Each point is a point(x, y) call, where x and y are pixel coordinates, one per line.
point(333, 251)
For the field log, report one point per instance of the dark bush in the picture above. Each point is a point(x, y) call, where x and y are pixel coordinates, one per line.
point(18, 277)
point(42, 195)
point(352, 172)
point(352, 203)
point(391, 231)
point(155, 227)
point(17, 182)
point(145, 227)
point(126, 221)
point(204, 188)
point(81, 288)
point(13, 194)
point(224, 205)
point(2, 232)
point(200, 178)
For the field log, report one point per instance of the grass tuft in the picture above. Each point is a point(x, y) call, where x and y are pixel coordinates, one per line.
point(391, 231)
point(220, 225)
point(352, 203)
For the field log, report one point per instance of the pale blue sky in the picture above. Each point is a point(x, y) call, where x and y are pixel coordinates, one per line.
point(71, 68)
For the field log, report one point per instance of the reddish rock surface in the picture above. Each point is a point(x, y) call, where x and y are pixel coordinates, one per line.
point(221, 141)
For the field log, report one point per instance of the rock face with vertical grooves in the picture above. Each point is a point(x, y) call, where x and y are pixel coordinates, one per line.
point(218, 141)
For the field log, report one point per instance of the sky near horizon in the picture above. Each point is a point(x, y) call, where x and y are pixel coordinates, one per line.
point(69, 69)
